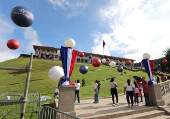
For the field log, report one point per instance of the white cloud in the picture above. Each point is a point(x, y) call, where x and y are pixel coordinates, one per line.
point(5, 52)
point(6, 29)
point(74, 7)
point(32, 39)
point(137, 26)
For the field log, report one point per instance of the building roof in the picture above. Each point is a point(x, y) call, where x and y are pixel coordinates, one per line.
point(106, 56)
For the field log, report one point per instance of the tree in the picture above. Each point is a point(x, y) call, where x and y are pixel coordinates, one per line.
point(167, 57)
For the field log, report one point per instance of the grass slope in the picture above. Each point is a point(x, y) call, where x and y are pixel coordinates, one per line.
point(11, 80)
point(15, 80)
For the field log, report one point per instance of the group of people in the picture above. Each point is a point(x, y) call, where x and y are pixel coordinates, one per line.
point(96, 90)
point(132, 92)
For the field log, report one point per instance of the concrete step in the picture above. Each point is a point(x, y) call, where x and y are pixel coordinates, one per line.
point(145, 115)
point(162, 117)
point(122, 113)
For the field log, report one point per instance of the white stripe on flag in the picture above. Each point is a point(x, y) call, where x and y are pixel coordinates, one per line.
point(150, 72)
point(69, 61)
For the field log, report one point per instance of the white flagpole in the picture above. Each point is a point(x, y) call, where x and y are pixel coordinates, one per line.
point(103, 52)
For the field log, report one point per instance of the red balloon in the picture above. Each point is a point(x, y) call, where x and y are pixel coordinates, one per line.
point(107, 59)
point(13, 44)
point(81, 54)
point(96, 62)
point(164, 61)
point(167, 68)
point(128, 62)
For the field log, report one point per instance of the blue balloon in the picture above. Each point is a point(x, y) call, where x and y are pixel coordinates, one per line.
point(90, 56)
point(119, 69)
point(22, 16)
point(83, 69)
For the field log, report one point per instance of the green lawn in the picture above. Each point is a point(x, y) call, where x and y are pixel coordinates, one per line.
point(40, 82)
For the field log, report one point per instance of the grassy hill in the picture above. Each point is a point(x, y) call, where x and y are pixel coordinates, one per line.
point(15, 80)
point(11, 80)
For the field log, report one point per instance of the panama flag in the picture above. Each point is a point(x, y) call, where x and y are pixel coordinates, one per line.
point(148, 64)
point(68, 57)
point(104, 44)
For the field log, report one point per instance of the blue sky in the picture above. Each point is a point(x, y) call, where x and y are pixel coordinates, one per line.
point(130, 28)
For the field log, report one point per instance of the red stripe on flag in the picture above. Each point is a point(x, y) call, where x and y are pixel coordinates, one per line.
point(73, 60)
point(151, 65)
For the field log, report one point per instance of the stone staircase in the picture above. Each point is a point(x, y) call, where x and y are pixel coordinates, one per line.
point(145, 113)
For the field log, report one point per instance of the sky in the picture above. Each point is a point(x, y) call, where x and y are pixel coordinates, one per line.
point(129, 28)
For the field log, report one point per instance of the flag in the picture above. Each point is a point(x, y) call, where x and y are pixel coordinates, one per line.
point(37, 53)
point(148, 64)
point(160, 67)
point(118, 62)
point(68, 58)
point(89, 60)
point(104, 44)
point(141, 65)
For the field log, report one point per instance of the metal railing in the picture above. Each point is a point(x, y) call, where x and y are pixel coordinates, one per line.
point(48, 112)
point(11, 102)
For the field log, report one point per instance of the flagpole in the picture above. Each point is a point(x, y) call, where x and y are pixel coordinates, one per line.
point(103, 52)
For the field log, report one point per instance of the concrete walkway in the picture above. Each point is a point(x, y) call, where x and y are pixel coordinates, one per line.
point(104, 109)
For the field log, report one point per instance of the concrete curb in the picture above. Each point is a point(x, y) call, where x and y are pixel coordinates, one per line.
point(165, 108)
point(100, 97)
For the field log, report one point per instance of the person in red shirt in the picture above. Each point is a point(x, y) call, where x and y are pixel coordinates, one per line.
point(140, 89)
point(146, 92)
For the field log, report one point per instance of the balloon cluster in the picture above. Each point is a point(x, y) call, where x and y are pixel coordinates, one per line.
point(165, 62)
point(22, 17)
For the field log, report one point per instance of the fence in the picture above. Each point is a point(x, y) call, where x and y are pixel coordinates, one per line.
point(52, 113)
point(11, 102)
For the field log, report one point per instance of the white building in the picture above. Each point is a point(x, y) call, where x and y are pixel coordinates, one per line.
point(46, 51)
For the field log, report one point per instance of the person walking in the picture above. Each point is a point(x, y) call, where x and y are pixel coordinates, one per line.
point(77, 85)
point(96, 96)
point(129, 88)
point(83, 82)
point(56, 92)
point(136, 95)
point(113, 89)
point(157, 79)
point(140, 89)
point(99, 84)
point(146, 92)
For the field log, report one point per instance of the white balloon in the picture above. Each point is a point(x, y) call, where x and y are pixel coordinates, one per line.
point(103, 60)
point(112, 64)
point(146, 56)
point(55, 73)
point(70, 43)
point(58, 52)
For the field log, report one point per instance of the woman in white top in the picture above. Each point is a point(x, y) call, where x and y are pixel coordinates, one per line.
point(129, 88)
point(96, 97)
point(113, 89)
point(77, 85)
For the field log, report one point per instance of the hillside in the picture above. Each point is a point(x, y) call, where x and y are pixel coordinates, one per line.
point(40, 82)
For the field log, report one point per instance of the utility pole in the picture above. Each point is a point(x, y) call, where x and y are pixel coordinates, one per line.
point(26, 87)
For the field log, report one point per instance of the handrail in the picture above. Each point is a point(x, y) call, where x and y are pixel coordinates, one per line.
point(53, 109)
